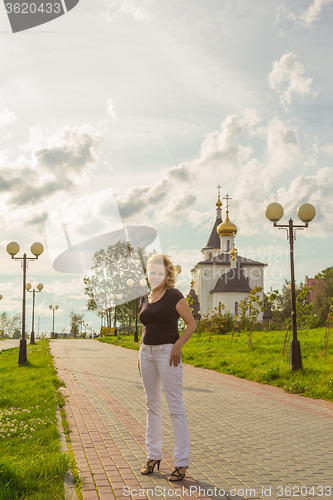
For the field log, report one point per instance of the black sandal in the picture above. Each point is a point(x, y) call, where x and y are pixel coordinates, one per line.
point(176, 475)
point(150, 465)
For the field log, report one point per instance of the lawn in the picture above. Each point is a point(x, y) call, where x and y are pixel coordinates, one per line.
point(264, 361)
point(31, 463)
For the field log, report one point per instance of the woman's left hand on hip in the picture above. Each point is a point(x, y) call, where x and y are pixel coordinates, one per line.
point(175, 355)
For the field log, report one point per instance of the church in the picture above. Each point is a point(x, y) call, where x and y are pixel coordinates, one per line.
point(223, 276)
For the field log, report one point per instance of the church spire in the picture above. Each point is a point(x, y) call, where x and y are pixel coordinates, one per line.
point(214, 240)
point(218, 204)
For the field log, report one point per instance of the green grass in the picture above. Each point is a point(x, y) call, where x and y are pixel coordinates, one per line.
point(31, 463)
point(264, 362)
point(121, 340)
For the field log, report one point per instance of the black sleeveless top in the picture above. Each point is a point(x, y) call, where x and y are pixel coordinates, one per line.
point(160, 319)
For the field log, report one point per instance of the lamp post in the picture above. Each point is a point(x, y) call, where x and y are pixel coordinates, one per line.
point(13, 249)
point(115, 297)
point(33, 291)
point(130, 282)
point(305, 212)
point(53, 309)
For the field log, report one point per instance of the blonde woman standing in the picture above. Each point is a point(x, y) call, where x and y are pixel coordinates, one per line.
point(160, 362)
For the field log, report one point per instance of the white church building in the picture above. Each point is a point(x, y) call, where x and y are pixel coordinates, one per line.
point(223, 276)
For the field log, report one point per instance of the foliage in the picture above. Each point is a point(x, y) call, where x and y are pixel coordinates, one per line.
point(250, 308)
point(328, 329)
point(221, 323)
point(323, 298)
point(304, 307)
point(76, 320)
point(281, 302)
point(110, 272)
point(218, 323)
point(10, 324)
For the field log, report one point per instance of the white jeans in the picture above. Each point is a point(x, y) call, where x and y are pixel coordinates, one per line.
point(156, 371)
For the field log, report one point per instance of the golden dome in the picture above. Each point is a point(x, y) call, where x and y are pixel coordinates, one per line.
point(227, 228)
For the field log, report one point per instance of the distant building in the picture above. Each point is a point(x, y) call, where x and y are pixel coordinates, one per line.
point(223, 276)
point(311, 282)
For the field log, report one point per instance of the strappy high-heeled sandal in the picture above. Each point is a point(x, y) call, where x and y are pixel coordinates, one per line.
point(176, 475)
point(150, 465)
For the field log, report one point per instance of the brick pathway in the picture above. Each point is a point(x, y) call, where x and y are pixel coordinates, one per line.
point(250, 440)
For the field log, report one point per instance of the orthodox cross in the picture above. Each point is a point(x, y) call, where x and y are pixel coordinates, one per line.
point(227, 198)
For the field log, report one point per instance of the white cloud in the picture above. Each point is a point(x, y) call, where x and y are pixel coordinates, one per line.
point(136, 9)
point(310, 15)
point(7, 117)
point(61, 165)
point(222, 156)
point(283, 147)
point(316, 189)
point(222, 145)
point(141, 198)
point(286, 79)
point(110, 109)
point(176, 209)
point(328, 149)
point(66, 291)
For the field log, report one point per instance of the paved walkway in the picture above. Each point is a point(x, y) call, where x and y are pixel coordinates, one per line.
point(247, 440)
point(9, 343)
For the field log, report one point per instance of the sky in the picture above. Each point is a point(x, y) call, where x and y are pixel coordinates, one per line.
point(132, 112)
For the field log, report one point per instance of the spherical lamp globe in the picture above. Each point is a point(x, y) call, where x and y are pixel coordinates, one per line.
point(37, 249)
point(13, 248)
point(306, 212)
point(274, 212)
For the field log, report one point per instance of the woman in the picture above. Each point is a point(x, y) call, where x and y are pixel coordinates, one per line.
point(160, 362)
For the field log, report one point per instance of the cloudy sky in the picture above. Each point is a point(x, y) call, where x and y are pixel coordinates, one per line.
point(138, 109)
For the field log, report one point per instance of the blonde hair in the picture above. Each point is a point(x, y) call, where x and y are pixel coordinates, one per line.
point(170, 268)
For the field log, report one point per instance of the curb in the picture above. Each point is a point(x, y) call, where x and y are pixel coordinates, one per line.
point(69, 483)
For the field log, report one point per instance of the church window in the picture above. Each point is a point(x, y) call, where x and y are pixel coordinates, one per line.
point(228, 245)
point(236, 307)
point(210, 255)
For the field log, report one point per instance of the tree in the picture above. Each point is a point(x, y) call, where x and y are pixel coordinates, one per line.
point(323, 298)
point(304, 308)
point(75, 322)
point(281, 302)
point(109, 274)
point(250, 308)
point(9, 325)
